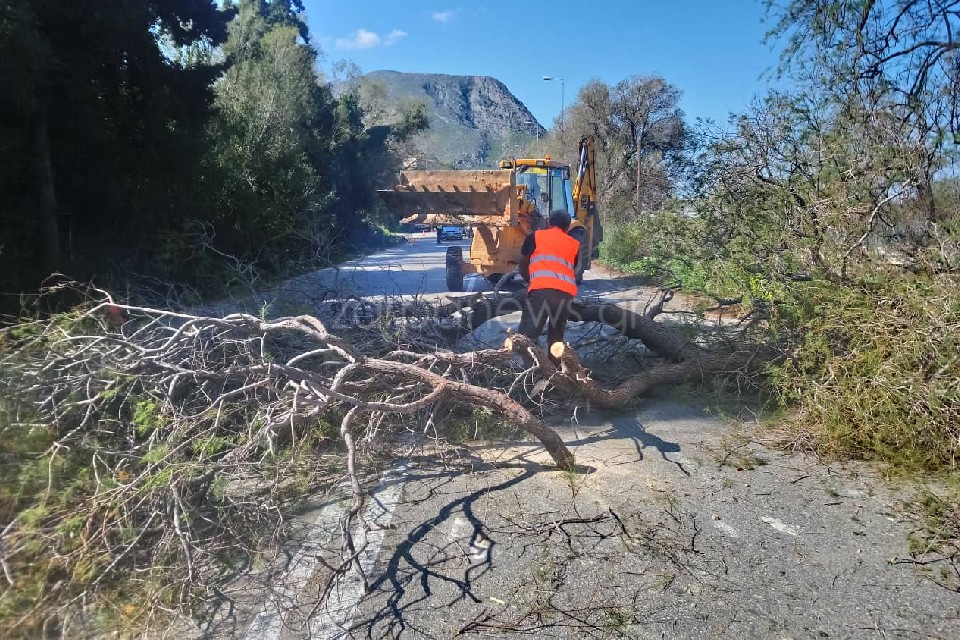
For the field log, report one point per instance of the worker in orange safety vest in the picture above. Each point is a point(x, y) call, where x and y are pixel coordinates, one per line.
point(549, 263)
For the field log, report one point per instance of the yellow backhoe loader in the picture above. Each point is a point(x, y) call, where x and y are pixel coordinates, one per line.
point(502, 206)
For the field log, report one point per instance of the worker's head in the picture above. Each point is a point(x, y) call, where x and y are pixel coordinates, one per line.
point(560, 219)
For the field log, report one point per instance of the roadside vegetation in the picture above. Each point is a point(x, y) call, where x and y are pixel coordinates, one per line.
point(835, 209)
point(174, 151)
point(130, 437)
point(211, 146)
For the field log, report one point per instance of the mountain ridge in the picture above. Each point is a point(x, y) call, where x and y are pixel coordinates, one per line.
point(474, 120)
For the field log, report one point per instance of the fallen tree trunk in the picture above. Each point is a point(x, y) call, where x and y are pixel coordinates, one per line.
point(659, 338)
point(179, 436)
point(685, 359)
point(511, 409)
point(656, 336)
point(571, 377)
point(451, 321)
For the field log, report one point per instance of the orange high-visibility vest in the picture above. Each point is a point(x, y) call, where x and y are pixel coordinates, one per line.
point(551, 265)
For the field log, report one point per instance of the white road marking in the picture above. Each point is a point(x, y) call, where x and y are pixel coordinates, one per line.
point(269, 622)
point(461, 531)
point(727, 529)
point(481, 549)
point(342, 602)
point(780, 526)
point(337, 614)
point(459, 528)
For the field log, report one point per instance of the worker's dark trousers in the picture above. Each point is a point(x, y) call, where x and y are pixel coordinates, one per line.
point(543, 305)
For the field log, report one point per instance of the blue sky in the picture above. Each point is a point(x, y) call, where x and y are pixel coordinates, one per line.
point(711, 50)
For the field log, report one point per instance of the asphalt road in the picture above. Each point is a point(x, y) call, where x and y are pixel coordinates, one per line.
point(413, 268)
point(681, 525)
point(416, 267)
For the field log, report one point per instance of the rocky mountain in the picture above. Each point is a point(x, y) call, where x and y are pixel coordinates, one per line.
point(474, 120)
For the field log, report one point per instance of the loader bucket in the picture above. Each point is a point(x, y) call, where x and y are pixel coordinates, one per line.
point(481, 197)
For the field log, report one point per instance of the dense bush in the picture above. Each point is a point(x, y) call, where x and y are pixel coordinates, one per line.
point(874, 370)
point(834, 210)
point(870, 364)
point(125, 507)
point(669, 249)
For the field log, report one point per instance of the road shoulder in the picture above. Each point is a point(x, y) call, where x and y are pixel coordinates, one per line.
point(683, 526)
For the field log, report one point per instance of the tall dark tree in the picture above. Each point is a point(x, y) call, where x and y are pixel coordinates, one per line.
point(120, 133)
point(297, 165)
point(28, 231)
point(273, 130)
point(101, 126)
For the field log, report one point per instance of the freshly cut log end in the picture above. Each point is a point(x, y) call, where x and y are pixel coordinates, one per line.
point(557, 349)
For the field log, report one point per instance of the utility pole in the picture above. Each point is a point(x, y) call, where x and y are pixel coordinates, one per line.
point(638, 177)
point(563, 87)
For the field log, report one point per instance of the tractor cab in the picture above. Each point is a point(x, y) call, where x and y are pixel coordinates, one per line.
point(547, 186)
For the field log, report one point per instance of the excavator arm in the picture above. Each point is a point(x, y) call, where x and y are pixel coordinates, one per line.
point(585, 206)
point(585, 186)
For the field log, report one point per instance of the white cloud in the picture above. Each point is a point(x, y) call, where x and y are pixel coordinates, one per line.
point(363, 39)
point(443, 16)
point(393, 37)
point(359, 39)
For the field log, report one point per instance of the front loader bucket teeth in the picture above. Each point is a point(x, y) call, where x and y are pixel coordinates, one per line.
point(481, 197)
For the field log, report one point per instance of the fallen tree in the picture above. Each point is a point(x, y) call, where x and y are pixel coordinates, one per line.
point(176, 443)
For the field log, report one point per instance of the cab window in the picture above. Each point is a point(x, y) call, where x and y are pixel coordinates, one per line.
point(560, 199)
point(536, 180)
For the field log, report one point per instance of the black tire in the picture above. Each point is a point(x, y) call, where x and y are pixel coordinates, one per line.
point(583, 260)
point(597, 237)
point(455, 268)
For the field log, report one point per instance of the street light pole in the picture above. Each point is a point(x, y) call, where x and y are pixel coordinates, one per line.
point(563, 87)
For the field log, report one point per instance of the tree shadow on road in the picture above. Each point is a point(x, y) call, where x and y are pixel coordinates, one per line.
point(632, 429)
point(516, 551)
point(419, 568)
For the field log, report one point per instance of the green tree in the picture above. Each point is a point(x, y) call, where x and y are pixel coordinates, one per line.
point(842, 176)
point(272, 121)
point(296, 166)
point(825, 208)
point(370, 157)
point(641, 139)
point(24, 56)
point(900, 58)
